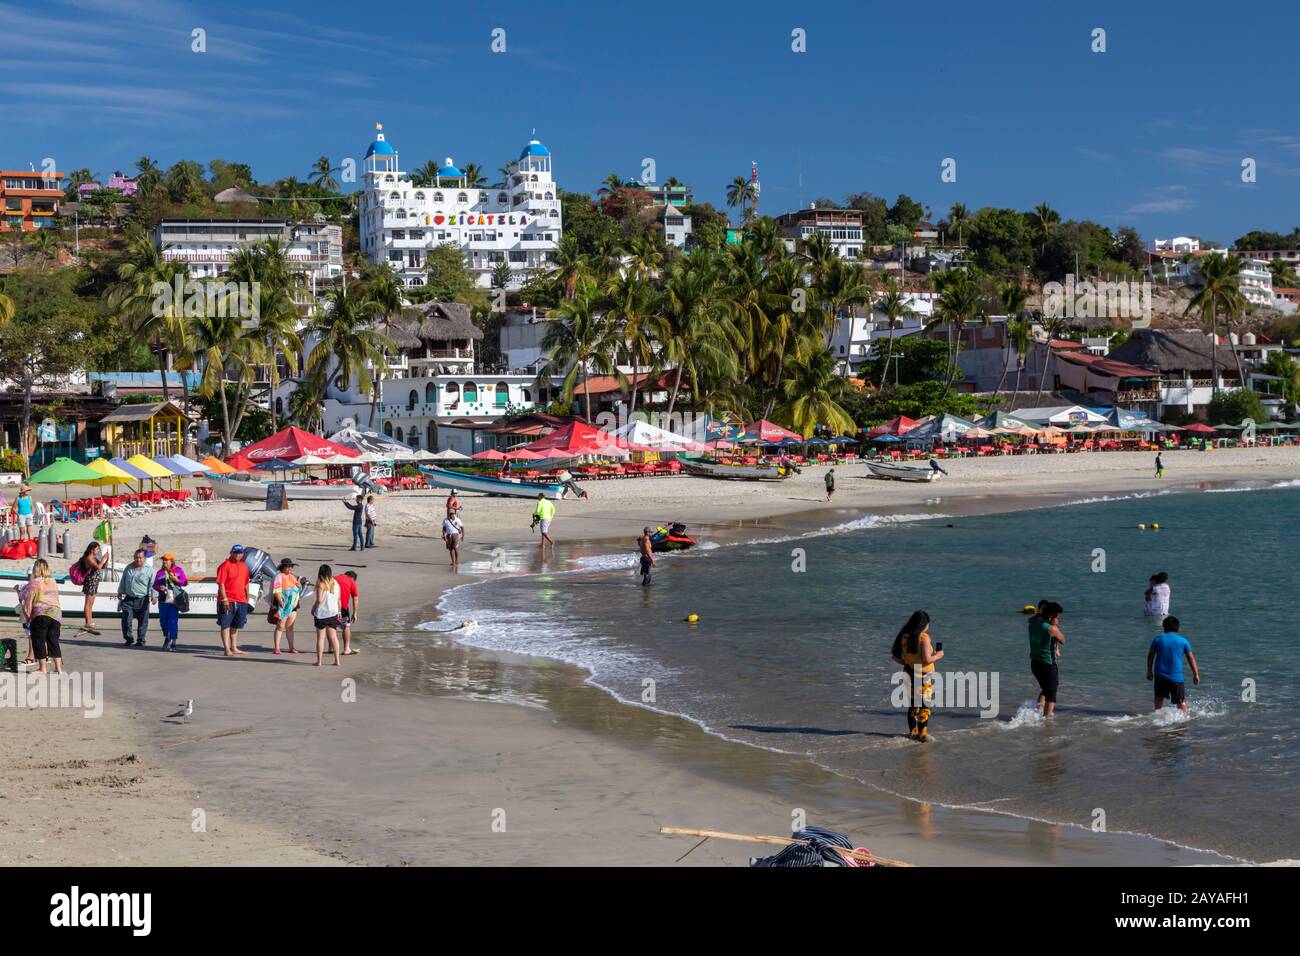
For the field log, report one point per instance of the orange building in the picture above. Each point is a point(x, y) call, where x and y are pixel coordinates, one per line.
point(29, 200)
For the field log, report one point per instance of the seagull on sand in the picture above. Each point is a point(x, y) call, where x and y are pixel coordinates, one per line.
point(185, 711)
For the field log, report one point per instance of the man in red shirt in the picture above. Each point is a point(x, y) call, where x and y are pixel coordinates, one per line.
point(232, 599)
point(349, 604)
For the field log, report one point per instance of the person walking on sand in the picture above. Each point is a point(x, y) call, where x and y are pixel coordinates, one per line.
point(44, 616)
point(646, 547)
point(451, 532)
point(1157, 596)
point(349, 607)
point(232, 599)
point(1045, 641)
point(453, 511)
point(1160, 466)
point(543, 515)
point(372, 517)
point(169, 579)
point(830, 484)
point(286, 592)
point(912, 649)
point(90, 567)
point(133, 597)
point(358, 509)
point(325, 614)
point(1165, 665)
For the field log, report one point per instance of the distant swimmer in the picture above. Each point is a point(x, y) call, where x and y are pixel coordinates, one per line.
point(830, 484)
point(1045, 640)
point(1165, 665)
point(1157, 596)
point(911, 649)
point(646, 547)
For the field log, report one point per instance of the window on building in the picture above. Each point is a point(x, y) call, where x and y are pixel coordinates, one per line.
point(453, 394)
point(394, 195)
point(462, 198)
point(420, 196)
point(388, 429)
point(471, 393)
point(502, 395)
point(412, 399)
point(431, 393)
point(501, 197)
point(437, 197)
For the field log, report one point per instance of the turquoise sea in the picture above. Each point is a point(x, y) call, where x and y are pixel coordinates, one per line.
point(798, 660)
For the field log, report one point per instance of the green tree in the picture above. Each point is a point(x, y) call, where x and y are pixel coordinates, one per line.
point(1234, 405)
point(448, 276)
point(740, 192)
point(143, 293)
point(1219, 293)
point(322, 174)
point(579, 342)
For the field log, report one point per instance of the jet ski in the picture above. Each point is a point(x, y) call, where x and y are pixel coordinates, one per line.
point(671, 538)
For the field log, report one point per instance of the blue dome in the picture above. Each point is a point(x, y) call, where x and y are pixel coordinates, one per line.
point(380, 147)
point(449, 172)
point(534, 148)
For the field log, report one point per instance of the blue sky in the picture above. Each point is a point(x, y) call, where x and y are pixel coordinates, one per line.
point(1150, 133)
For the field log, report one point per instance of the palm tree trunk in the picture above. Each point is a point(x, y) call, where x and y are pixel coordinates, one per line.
point(889, 355)
point(677, 384)
point(225, 417)
point(1006, 357)
point(1214, 352)
point(275, 385)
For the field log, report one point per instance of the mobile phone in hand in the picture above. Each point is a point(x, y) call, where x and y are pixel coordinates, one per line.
point(939, 646)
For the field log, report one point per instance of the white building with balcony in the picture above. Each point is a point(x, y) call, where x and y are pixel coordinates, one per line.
point(855, 336)
point(206, 246)
point(517, 222)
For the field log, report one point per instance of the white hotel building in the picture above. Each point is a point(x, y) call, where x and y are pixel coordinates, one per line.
point(517, 223)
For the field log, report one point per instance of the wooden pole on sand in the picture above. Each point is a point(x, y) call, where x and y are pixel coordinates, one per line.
point(779, 841)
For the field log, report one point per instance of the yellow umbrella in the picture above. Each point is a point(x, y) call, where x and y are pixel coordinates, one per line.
point(113, 475)
point(149, 467)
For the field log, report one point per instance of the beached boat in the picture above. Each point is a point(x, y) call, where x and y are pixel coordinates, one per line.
point(493, 485)
point(202, 594)
point(902, 472)
point(705, 468)
point(244, 490)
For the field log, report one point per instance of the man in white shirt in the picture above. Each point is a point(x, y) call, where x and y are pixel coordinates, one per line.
point(452, 530)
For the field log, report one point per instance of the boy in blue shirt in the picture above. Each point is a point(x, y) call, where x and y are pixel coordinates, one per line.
point(1165, 665)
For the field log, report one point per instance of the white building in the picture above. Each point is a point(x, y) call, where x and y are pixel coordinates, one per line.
point(854, 336)
point(1180, 244)
point(518, 222)
point(207, 245)
point(842, 227)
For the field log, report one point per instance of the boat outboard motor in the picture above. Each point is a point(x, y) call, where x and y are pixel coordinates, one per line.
point(261, 569)
point(935, 466)
point(363, 481)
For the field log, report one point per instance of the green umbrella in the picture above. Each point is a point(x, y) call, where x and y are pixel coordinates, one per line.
point(61, 471)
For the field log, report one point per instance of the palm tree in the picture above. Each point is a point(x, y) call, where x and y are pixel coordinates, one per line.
point(148, 176)
point(569, 266)
point(1012, 295)
point(958, 216)
point(646, 255)
point(384, 288)
point(630, 304)
point(1053, 326)
point(1220, 289)
point(323, 174)
point(1019, 334)
point(426, 174)
point(740, 192)
point(347, 344)
point(7, 309)
point(1045, 218)
point(474, 178)
point(960, 303)
point(46, 244)
point(577, 342)
point(152, 317)
point(812, 389)
point(694, 330)
point(896, 308)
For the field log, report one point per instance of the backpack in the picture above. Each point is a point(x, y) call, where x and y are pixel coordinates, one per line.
point(77, 573)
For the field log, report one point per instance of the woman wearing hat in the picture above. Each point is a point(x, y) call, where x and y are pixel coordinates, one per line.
point(286, 593)
point(169, 578)
point(24, 512)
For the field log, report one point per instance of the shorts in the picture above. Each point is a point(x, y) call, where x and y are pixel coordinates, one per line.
point(322, 622)
point(1048, 676)
point(545, 526)
point(234, 616)
point(345, 617)
point(45, 638)
point(1175, 691)
point(646, 565)
point(453, 542)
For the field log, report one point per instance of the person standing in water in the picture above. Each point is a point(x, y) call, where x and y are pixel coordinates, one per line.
point(451, 532)
point(1157, 596)
point(830, 484)
point(912, 649)
point(543, 515)
point(1160, 466)
point(646, 547)
point(1045, 640)
point(1165, 665)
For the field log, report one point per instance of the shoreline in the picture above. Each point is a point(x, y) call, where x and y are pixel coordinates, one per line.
point(620, 770)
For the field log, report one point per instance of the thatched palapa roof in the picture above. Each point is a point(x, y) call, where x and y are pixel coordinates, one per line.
point(433, 322)
point(1167, 351)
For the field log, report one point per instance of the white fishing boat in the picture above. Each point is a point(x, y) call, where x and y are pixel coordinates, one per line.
point(202, 594)
point(495, 485)
point(249, 490)
point(707, 468)
point(903, 472)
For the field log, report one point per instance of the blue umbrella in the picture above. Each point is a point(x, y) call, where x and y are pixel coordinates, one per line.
point(885, 438)
point(848, 440)
point(275, 464)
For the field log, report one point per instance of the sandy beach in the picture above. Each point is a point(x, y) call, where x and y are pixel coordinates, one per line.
point(288, 768)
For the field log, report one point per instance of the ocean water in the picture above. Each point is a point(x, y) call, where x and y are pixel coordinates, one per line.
point(791, 653)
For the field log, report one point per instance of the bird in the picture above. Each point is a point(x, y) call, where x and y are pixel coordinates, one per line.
point(185, 711)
